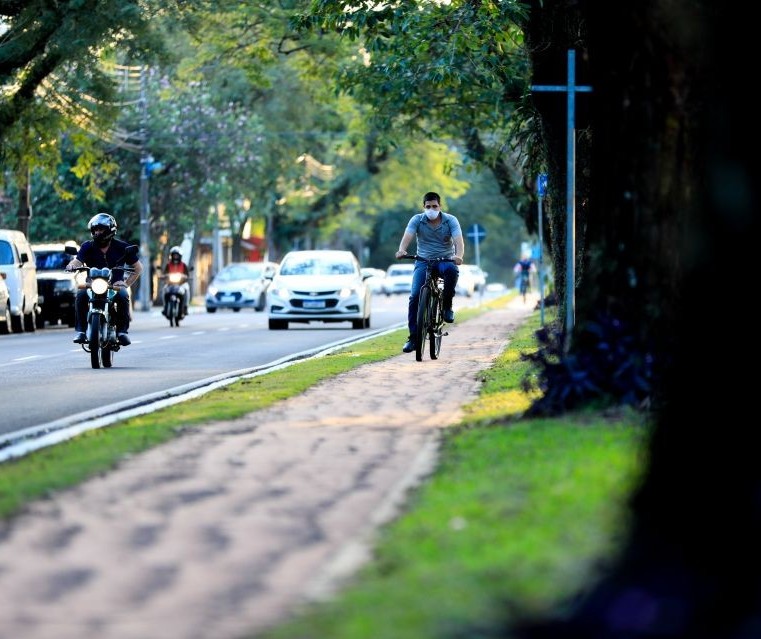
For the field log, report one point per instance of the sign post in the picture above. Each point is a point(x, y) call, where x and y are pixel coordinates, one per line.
point(570, 89)
point(541, 191)
point(477, 233)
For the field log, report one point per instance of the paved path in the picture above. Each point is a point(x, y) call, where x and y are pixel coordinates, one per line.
point(226, 529)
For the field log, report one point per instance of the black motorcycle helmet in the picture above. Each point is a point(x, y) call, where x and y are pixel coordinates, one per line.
point(175, 254)
point(102, 228)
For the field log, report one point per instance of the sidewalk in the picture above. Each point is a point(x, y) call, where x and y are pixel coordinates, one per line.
point(227, 529)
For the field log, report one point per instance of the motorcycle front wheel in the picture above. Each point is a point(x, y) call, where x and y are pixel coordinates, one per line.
point(174, 312)
point(95, 340)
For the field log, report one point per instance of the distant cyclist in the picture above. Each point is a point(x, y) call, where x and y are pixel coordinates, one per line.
point(523, 268)
point(438, 234)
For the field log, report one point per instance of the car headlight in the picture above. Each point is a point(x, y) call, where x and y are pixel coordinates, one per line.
point(346, 292)
point(212, 290)
point(281, 291)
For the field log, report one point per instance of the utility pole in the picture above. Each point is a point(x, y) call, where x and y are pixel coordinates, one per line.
point(145, 211)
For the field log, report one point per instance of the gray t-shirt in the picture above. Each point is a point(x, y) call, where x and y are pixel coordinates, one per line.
point(434, 242)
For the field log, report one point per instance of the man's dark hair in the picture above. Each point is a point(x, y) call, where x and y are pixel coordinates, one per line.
point(431, 196)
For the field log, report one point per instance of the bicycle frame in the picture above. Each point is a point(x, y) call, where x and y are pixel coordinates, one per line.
point(430, 309)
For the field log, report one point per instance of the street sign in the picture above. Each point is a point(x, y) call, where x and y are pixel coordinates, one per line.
point(541, 185)
point(476, 232)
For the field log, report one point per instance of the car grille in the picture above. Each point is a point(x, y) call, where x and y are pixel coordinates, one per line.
point(236, 295)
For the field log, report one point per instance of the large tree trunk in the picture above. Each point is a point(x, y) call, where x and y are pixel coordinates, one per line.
point(672, 217)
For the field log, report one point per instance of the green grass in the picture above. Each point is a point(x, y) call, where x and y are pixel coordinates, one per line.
point(518, 516)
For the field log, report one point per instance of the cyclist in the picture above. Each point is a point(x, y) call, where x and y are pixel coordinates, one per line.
point(523, 268)
point(438, 234)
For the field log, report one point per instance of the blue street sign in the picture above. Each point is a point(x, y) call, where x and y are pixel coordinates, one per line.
point(541, 185)
point(476, 232)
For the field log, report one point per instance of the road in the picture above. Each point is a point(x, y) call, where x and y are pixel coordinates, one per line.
point(44, 377)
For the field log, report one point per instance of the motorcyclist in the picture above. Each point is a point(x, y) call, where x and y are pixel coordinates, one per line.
point(105, 251)
point(176, 265)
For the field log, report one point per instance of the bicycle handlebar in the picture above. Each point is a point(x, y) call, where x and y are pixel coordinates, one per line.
point(426, 259)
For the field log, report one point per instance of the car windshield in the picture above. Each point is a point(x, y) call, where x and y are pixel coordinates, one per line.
point(239, 272)
point(317, 266)
point(400, 271)
point(53, 261)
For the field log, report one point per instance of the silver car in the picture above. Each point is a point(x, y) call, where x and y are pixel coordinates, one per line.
point(240, 285)
point(319, 286)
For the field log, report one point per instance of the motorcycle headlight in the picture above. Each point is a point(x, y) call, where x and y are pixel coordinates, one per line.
point(175, 278)
point(99, 286)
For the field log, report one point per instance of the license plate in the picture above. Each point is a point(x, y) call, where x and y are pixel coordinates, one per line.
point(314, 303)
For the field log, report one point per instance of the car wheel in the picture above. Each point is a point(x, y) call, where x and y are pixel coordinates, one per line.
point(17, 323)
point(30, 322)
point(236, 309)
point(262, 303)
point(211, 310)
point(5, 320)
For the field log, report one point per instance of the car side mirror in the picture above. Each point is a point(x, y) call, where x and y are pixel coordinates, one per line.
point(70, 250)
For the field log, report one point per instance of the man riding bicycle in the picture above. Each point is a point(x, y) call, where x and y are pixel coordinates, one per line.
point(438, 234)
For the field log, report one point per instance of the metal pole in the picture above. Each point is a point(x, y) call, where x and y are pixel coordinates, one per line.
point(570, 202)
point(145, 280)
point(570, 89)
point(541, 265)
point(145, 213)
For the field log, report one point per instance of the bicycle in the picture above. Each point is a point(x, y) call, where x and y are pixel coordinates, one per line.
point(525, 284)
point(430, 309)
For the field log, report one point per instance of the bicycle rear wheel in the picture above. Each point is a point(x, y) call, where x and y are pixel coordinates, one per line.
point(423, 322)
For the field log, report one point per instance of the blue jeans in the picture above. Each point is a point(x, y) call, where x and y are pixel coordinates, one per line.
point(121, 310)
point(447, 270)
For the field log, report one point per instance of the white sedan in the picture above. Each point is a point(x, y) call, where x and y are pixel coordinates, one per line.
point(319, 286)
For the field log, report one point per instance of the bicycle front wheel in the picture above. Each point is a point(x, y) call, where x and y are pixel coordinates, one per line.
point(423, 321)
point(436, 326)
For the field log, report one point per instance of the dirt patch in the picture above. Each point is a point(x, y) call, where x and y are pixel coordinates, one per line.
point(227, 529)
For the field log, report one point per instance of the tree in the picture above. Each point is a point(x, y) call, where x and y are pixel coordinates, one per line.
point(674, 139)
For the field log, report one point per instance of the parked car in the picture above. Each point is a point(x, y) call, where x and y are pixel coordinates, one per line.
point(479, 276)
point(57, 288)
point(374, 278)
point(398, 279)
point(5, 307)
point(240, 285)
point(319, 285)
point(466, 284)
point(17, 265)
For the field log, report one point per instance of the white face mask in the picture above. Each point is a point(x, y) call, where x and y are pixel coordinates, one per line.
point(431, 214)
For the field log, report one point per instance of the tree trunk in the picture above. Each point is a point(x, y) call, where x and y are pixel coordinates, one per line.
point(24, 211)
point(672, 221)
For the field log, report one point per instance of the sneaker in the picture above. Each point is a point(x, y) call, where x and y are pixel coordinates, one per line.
point(449, 316)
point(409, 346)
point(80, 338)
point(123, 339)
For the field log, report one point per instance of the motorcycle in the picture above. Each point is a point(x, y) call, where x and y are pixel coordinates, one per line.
point(174, 297)
point(102, 342)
